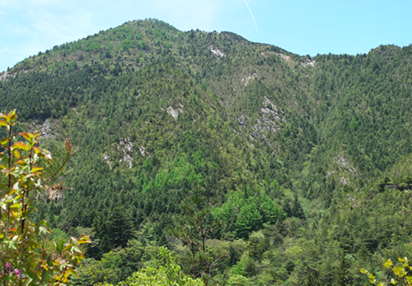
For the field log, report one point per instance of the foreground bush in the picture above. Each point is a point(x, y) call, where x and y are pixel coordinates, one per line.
point(402, 272)
point(28, 256)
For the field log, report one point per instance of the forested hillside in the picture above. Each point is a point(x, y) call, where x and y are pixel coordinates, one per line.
point(301, 165)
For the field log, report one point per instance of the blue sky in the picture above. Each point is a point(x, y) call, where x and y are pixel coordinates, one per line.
point(299, 26)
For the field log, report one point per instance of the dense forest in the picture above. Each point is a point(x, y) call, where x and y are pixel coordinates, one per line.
point(252, 165)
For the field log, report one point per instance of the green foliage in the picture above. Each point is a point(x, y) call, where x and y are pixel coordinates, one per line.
point(116, 265)
point(401, 271)
point(315, 157)
point(353, 125)
point(248, 220)
point(167, 272)
point(28, 256)
point(343, 277)
point(257, 245)
point(119, 227)
point(238, 280)
point(193, 226)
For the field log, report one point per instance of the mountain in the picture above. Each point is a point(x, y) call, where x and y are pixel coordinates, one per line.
point(306, 158)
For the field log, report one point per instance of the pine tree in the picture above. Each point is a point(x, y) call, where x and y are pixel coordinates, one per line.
point(343, 277)
point(234, 256)
point(286, 208)
point(243, 227)
point(297, 210)
point(249, 219)
point(120, 227)
point(193, 228)
point(310, 280)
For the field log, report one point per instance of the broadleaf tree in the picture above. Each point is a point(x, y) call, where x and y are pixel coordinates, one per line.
point(28, 256)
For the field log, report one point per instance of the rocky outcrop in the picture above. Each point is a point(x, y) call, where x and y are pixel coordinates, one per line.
point(122, 153)
point(174, 112)
point(308, 63)
point(216, 52)
point(267, 121)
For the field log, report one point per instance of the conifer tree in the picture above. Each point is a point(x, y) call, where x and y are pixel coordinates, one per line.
point(310, 280)
point(297, 210)
point(249, 219)
point(343, 277)
point(286, 208)
point(193, 228)
point(120, 227)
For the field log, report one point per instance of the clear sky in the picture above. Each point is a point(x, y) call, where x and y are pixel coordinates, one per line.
point(299, 26)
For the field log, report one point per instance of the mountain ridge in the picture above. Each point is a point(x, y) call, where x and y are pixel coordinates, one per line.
point(292, 152)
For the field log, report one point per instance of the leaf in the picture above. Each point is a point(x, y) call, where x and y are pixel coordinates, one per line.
point(3, 123)
point(388, 263)
point(20, 162)
point(16, 154)
point(35, 169)
point(399, 271)
point(84, 239)
point(12, 192)
point(72, 272)
point(15, 206)
point(11, 116)
point(12, 244)
point(43, 229)
point(28, 136)
point(20, 145)
point(44, 223)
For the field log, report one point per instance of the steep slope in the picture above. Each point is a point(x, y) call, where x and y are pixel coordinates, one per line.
point(156, 113)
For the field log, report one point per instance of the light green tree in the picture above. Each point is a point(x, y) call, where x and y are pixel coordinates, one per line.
point(249, 219)
point(402, 273)
point(238, 280)
point(165, 272)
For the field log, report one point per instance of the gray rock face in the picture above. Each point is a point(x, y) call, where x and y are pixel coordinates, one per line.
point(308, 63)
point(344, 164)
point(175, 112)
point(248, 78)
point(46, 130)
point(125, 149)
point(216, 52)
point(266, 122)
point(243, 119)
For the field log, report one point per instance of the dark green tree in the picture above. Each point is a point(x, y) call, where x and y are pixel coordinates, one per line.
point(343, 276)
point(297, 210)
point(310, 280)
point(120, 227)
